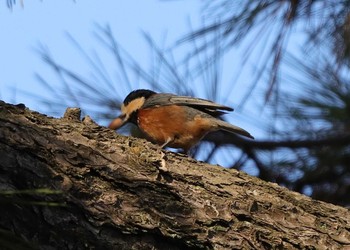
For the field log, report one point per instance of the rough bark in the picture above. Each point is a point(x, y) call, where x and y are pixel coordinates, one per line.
point(116, 193)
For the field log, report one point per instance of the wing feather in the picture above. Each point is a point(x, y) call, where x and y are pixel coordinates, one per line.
point(204, 105)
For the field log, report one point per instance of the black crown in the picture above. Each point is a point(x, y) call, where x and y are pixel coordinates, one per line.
point(137, 94)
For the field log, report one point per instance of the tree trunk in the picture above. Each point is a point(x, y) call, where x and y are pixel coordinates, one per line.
point(67, 184)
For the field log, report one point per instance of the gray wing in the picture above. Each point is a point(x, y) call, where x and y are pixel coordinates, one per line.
point(206, 106)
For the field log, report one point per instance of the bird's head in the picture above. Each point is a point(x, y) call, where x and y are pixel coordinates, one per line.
point(131, 104)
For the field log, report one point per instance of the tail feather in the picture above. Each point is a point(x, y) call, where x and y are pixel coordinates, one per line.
point(234, 129)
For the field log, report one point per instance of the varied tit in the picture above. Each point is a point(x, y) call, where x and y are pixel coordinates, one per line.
point(171, 120)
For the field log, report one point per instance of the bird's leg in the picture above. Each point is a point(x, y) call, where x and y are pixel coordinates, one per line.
point(166, 142)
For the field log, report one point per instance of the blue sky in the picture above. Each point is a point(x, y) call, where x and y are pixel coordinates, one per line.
point(25, 28)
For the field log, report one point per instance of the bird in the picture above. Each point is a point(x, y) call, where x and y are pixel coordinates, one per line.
point(171, 120)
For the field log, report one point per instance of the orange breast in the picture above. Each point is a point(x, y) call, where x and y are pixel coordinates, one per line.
point(183, 126)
